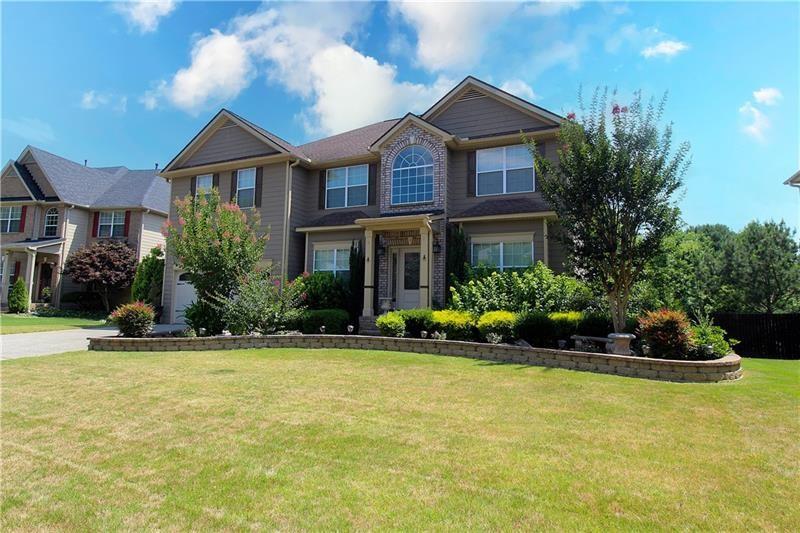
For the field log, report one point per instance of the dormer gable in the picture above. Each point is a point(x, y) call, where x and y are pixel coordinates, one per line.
point(13, 185)
point(403, 124)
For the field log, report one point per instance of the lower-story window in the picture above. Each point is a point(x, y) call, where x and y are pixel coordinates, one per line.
point(10, 219)
point(333, 258)
point(513, 252)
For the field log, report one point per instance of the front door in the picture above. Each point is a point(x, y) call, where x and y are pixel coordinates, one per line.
point(45, 281)
point(184, 296)
point(407, 280)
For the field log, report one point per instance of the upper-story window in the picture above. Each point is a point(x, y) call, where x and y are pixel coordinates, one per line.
point(246, 187)
point(412, 176)
point(504, 170)
point(203, 184)
point(346, 186)
point(111, 224)
point(10, 218)
point(51, 222)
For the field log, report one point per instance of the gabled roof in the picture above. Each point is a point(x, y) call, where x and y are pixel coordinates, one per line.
point(411, 118)
point(794, 180)
point(349, 144)
point(25, 177)
point(472, 82)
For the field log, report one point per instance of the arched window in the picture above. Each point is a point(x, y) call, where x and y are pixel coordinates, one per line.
point(51, 222)
point(412, 176)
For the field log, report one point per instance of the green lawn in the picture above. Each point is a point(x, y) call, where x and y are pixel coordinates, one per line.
point(31, 323)
point(330, 439)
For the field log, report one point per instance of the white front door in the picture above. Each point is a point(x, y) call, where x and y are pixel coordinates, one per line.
point(184, 295)
point(407, 280)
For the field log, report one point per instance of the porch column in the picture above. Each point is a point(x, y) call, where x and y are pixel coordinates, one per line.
point(424, 268)
point(369, 272)
point(29, 270)
point(7, 271)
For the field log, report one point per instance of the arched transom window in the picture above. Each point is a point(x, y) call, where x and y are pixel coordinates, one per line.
point(51, 222)
point(412, 176)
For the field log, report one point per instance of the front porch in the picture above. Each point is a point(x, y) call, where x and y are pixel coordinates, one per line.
point(38, 263)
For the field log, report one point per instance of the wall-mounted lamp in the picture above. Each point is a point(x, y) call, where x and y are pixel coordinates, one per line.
point(380, 249)
point(437, 248)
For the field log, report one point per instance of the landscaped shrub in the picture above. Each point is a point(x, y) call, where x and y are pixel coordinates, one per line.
point(324, 291)
point(667, 333)
point(417, 321)
point(456, 325)
point(149, 278)
point(705, 333)
point(536, 289)
point(497, 325)
point(104, 267)
point(595, 325)
point(334, 320)
point(536, 328)
point(18, 297)
point(259, 305)
point(204, 318)
point(85, 301)
point(565, 324)
point(391, 324)
point(135, 319)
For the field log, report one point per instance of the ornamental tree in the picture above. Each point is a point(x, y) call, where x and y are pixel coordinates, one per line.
point(149, 278)
point(613, 190)
point(216, 243)
point(104, 266)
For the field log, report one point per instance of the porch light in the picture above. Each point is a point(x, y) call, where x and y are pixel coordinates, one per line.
point(437, 248)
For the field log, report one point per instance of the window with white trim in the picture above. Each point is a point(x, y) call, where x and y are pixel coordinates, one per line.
point(504, 170)
point(346, 186)
point(51, 222)
point(246, 187)
point(333, 258)
point(111, 224)
point(203, 184)
point(10, 217)
point(412, 176)
point(503, 252)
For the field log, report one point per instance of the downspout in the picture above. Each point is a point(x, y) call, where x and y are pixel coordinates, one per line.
point(287, 213)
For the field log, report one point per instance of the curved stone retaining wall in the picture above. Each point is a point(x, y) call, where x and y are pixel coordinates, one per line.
point(726, 368)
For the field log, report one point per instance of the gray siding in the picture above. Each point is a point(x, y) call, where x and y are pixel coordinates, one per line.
point(302, 209)
point(228, 143)
point(556, 249)
point(484, 116)
point(509, 226)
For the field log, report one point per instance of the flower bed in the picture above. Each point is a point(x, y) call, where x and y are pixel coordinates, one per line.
point(723, 369)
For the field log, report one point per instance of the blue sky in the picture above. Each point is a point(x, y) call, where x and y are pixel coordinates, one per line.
point(131, 84)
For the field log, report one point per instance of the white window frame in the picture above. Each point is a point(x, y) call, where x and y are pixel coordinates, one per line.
point(49, 217)
point(336, 247)
point(346, 187)
point(7, 219)
point(117, 219)
point(432, 165)
point(205, 190)
point(502, 240)
point(239, 187)
point(505, 170)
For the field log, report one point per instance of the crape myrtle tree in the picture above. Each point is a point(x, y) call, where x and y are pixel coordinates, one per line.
point(103, 267)
point(613, 190)
point(217, 244)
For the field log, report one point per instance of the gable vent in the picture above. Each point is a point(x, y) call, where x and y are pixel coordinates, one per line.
point(470, 94)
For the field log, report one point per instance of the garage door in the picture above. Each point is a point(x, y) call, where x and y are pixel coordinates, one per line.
point(184, 295)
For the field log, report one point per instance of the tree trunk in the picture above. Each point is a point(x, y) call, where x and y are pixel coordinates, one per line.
point(619, 307)
point(104, 298)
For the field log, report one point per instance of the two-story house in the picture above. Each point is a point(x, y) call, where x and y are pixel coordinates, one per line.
point(51, 206)
point(395, 185)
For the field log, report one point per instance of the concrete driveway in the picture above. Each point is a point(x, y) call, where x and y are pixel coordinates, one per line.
point(51, 342)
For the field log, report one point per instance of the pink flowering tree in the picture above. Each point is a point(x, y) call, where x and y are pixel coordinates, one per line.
point(614, 189)
point(216, 243)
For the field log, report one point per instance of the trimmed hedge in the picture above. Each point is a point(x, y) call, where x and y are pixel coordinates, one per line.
point(416, 321)
point(391, 324)
point(456, 325)
point(334, 320)
point(498, 326)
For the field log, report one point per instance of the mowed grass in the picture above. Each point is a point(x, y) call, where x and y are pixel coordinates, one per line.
point(332, 439)
point(31, 323)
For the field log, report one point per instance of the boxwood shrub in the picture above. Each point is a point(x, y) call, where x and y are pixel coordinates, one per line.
point(416, 321)
point(536, 328)
point(497, 326)
point(334, 320)
point(456, 325)
point(391, 324)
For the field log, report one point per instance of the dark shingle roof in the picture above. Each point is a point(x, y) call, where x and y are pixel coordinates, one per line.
point(344, 218)
point(348, 144)
point(505, 206)
point(283, 143)
point(29, 181)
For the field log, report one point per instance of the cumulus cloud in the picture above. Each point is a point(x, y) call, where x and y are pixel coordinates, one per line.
point(519, 88)
point(32, 130)
point(667, 48)
point(756, 123)
point(767, 95)
point(550, 8)
point(93, 99)
point(145, 15)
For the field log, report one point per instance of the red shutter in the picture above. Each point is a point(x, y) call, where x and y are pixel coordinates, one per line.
point(127, 224)
point(22, 220)
point(96, 223)
point(16, 269)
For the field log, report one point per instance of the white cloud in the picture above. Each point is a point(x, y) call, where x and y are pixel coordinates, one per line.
point(519, 88)
point(551, 8)
point(145, 15)
point(768, 95)
point(668, 48)
point(32, 130)
point(756, 122)
point(93, 99)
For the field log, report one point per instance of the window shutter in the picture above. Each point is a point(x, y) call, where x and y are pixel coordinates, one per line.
point(16, 269)
point(322, 189)
point(373, 184)
point(193, 186)
point(96, 223)
point(259, 188)
point(22, 218)
point(215, 180)
point(234, 178)
point(471, 175)
point(127, 225)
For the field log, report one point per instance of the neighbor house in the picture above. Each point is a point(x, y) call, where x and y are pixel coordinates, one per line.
point(395, 186)
point(51, 206)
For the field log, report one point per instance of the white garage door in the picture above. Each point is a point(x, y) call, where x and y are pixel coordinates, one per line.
point(184, 295)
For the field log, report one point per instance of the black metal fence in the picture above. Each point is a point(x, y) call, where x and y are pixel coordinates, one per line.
point(762, 335)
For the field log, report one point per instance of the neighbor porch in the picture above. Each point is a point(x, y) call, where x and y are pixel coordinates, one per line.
point(38, 263)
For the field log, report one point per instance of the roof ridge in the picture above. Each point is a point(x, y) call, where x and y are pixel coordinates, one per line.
point(351, 131)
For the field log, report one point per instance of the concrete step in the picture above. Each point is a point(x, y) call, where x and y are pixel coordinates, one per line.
point(366, 326)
